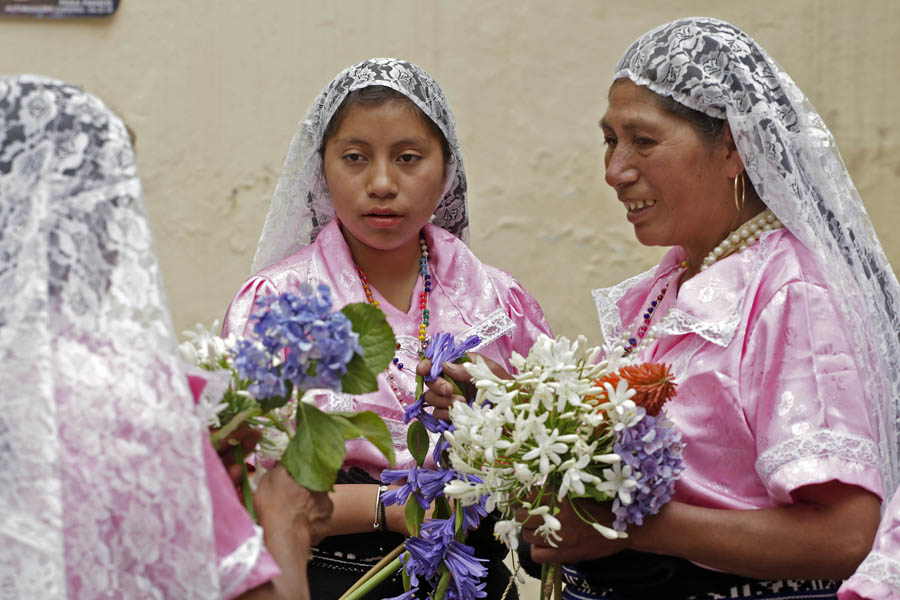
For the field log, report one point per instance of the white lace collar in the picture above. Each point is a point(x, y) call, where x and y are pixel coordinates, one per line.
point(709, 304)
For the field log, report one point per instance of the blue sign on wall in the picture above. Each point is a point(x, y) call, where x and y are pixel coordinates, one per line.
point(58, 8)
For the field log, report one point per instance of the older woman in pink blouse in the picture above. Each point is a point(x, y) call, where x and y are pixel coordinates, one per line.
point(776, 309)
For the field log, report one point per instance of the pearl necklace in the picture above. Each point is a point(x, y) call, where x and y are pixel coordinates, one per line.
point(737, 241)
point(742, 237)
point(423, 305)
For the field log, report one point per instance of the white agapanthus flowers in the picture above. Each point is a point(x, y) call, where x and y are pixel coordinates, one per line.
point(558, 429)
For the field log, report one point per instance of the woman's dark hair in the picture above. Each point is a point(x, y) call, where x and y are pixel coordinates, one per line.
point(379, 94)
point(709, 128)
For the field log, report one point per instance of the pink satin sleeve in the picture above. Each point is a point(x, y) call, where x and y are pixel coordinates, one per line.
point(237, 319)
point(243, 561)
point(530, 322)
point(878, 577)
point(808, 415)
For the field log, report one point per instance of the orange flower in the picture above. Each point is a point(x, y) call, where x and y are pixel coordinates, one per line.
point(653, 383)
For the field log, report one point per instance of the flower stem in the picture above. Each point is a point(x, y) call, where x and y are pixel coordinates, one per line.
point(551, 581)
point(219, 436)
point(384, 569)
point(246, 491)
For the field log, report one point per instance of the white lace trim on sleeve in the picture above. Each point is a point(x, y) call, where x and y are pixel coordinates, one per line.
point(237, 566)
point(881, 568)
point(822, 443)
point(496, 325)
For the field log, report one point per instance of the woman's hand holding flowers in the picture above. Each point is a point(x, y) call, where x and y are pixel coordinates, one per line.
point(282, 503)
point(247, 438)
point(441, 394)
point(580, 540)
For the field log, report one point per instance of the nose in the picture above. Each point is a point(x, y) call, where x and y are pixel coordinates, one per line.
point(382, 182)
point(620, 168)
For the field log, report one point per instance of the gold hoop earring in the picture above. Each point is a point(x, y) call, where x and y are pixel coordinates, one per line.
point(739, 203)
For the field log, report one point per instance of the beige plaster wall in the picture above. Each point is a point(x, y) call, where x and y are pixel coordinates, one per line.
point(214, 89)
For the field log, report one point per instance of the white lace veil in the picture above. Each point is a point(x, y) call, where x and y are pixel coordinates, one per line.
point(103, 491)
point(301, 206)
point(792, 159)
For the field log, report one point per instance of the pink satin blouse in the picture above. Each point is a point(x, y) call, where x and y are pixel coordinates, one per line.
point(769, 398)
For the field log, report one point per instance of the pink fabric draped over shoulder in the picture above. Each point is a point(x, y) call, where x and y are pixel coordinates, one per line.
point(467, 297)
point(769, 398)
point(243, 561)
point(878, 577)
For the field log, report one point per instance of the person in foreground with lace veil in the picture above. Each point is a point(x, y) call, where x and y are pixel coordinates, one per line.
point(372, 202)
point(109, 487)
point(776, 309)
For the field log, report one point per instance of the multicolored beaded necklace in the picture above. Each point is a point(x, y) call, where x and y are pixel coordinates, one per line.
point(423, 306)
point(635, 342)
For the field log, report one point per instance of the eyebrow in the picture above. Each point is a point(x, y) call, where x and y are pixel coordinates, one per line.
point(407, 141)
point(629, 124)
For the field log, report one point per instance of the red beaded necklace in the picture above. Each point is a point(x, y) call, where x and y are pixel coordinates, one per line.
point(423, 306)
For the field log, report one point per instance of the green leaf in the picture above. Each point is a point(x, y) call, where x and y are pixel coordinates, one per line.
point(369, 425)
point(593, 493)
point(378, 343)
point(359, 378)
point(415, 514)
point(458, 525)
point(418, 441)
point(442, 508)
point(443, 583)
point(316, 452)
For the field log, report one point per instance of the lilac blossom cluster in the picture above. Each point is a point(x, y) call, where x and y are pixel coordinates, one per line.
point(651, 447)
point(300, 340)
point(438, 544)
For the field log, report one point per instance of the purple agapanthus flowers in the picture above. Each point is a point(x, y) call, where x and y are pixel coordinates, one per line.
point(655, 452)
point(300, 340)
point(437, 543)
point(443, 348)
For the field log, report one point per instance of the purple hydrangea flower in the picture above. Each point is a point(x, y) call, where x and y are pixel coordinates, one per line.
point(312, 344)
point(253, 362)
point(651, 447)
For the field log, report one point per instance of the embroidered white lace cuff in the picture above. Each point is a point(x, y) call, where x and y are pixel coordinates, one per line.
point(817, 446)
point(234, 568)
point(881, 568)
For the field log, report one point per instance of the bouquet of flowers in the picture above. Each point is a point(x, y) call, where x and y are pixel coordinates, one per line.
point(300, 347)
point(565, 427)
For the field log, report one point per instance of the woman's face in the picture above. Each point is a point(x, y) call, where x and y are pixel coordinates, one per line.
point(385, 170)
point(675, 186)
